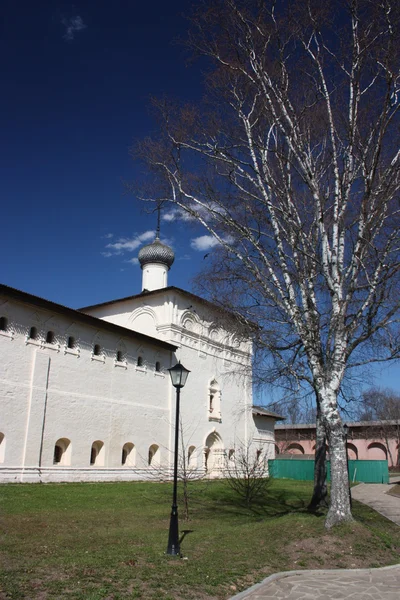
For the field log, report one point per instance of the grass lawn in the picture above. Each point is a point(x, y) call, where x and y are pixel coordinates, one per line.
point(92, 541)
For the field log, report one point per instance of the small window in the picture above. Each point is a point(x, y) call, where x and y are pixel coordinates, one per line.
point(158, 367)
point(128, 454)
point(231, 455)
point(62, 452)
point(71, 343)
point(120, 356)
point(97, 350)
point(50, 337)
point(3, 323)
point(97, 454)
point(154, 456)
point(33, 334)
point(58, 452)
point(139, 361)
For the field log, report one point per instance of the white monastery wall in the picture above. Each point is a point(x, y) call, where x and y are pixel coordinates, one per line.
point(94, 402)
point(78, 396)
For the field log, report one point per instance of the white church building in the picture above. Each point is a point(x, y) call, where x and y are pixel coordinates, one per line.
point(85, 395)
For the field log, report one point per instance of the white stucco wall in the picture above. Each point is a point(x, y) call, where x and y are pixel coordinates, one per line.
point(49, 392)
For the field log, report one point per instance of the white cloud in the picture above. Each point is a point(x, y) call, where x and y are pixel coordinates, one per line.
point(176, 214)
point(130, 244)
point(205, 212)
point(133, 261)
point(204, 242)
point(72, 25)
point(207, 242)
point(108, 236)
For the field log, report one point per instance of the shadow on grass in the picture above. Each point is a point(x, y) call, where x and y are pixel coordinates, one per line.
point(273, 504)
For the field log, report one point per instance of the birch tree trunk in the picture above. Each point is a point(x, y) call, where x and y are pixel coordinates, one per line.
point(320, 492)
point(291, 167)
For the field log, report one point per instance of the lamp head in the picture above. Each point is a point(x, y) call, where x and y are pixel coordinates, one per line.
point(178, 375)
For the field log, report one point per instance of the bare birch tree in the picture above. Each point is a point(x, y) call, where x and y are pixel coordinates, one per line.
point(292, 163)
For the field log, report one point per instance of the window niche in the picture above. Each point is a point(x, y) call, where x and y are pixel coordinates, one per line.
point(5, 328)
point(154, 456)
point(98, 352)
point(128, 458)
point(2, 447)
point(71, 346)
point(50, 341)
point(140, 361)
point(97, 454)
point(214, 401)
point(121, 356)
point(62, 452)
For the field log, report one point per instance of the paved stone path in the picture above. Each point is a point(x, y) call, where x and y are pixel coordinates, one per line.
point(338, 584)
point(374, 494)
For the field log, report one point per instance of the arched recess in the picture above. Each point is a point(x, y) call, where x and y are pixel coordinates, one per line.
point(128, 458)
point(97, 454)
point(352, 451)
point(154, 456)
point(377, 451)
point(190, 321)
point(121, 353)
point(214, 400)
point(192, 458)
point(214, 455)
point(143, 319)
point(62, 452)
point(2, 447)
point(295, 449)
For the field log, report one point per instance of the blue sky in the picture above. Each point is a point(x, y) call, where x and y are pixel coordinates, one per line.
point(76, 82)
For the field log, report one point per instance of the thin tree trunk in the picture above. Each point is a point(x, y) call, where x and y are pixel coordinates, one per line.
point(319, 497)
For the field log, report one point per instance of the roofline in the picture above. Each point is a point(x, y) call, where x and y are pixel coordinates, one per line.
point(170, 288)
point(85, 318)
point(348, 423)
point(146, 293)
point(263, 412)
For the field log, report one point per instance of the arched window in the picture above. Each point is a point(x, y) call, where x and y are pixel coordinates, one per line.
point(231, 455)
point(154, 456)
point(71, 342)
point(97, 454)
point(33, 333)
point(120, 357)
point(50, 337)
point(62, 452)
point(158, 367)
point(139, 362)
point(96, 350)
point(3, 323)
point(214, 401)
point(128, 454)
point(2, 447)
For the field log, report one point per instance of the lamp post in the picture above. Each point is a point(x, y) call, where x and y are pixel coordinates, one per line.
point(178, 377)
point(346, 433)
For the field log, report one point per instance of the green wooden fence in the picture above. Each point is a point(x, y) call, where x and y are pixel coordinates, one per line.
point(366, 471)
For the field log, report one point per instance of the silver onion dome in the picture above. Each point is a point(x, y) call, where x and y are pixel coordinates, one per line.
point(156, 252)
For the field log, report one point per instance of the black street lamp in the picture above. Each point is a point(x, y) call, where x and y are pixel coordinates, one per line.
point(178, 377)
point(346, 433)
